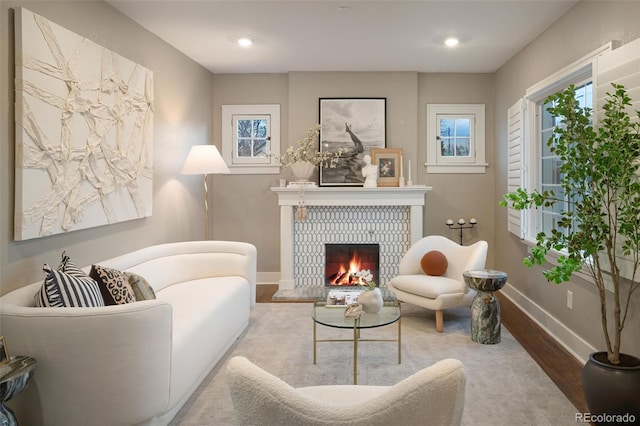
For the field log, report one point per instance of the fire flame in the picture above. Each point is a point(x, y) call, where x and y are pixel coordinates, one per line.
point(346, 274)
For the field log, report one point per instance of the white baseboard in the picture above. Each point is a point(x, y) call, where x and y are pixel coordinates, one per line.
point(267, 278)
point(566, 337)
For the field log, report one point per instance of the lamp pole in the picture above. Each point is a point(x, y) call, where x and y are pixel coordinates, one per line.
point(205, 160)
point(206, 208)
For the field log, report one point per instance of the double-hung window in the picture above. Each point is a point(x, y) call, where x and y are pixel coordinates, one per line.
point(531, 164)
point(549, 163)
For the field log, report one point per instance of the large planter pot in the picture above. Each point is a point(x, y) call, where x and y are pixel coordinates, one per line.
point(612, 390)
point(302, 170)
point(371, 301)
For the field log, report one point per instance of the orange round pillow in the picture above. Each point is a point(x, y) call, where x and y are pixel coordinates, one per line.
point(434, 263)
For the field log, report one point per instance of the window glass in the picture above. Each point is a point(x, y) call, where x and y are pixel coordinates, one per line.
point(251, 138)
point(550, 176)
point(455, 137)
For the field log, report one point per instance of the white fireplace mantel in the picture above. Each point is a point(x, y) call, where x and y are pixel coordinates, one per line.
point(289, 198)
point(341, 196)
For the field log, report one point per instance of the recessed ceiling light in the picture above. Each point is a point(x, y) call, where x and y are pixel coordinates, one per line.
point(451, 41)
point(245, 41)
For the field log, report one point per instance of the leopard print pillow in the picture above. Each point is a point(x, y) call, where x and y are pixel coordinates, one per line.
point(114, 285)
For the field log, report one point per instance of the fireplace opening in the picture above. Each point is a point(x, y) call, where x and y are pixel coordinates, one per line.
point(351, 264)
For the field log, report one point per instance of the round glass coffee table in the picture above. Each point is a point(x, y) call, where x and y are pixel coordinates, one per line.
point(333, 316)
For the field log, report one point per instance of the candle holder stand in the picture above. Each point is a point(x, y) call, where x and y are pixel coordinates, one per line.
point(461, 225)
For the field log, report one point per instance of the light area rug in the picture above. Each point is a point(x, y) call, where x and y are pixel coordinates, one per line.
point(504, 384)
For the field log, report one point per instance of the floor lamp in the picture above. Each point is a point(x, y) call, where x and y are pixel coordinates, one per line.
point(204, 159)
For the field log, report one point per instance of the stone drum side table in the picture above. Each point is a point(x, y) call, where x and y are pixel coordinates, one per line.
point(485, 309)
point(14, 377)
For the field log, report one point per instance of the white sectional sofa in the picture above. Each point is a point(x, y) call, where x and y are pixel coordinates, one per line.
point(137, 363)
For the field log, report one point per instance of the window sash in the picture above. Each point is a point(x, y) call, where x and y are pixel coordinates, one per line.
point(548, 164)
point(248, 145)
point(459, 138)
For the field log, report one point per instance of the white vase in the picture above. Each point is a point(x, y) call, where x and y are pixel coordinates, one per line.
point(302, 170)
point(371, 301)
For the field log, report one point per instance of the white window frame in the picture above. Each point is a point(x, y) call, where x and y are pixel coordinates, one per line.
point(603, 66)
point(261, 165)
point(575, 73)
point(475, 163)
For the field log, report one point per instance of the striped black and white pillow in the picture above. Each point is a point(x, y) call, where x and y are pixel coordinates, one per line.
point(68, 267)
point(61, 289)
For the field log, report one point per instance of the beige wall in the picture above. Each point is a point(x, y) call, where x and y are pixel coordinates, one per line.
point(456, 195)
point(244, 206)
point(589, 25)
point(183, 117)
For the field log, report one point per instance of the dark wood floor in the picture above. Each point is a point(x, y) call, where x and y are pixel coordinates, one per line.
point(563, 369)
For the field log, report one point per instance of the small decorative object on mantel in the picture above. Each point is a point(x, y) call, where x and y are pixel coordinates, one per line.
point(301, 210)
point(305, 158)
point(303, 161)
point(353, 310)
point(369, 173)
point(302, 170)
point(409, 181)
point(389, 162)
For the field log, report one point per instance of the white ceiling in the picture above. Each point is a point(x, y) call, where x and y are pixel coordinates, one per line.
point(360, 35)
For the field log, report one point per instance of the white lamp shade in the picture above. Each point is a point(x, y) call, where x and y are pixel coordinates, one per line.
point(204, 159)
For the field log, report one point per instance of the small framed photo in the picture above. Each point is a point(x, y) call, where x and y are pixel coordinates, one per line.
point(4, 354)
point(389, 162)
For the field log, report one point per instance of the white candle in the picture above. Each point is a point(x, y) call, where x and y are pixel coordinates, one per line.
point(401, 174)
point(409, 174)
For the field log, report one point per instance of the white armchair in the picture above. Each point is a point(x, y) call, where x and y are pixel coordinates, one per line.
point(435, 393)
point(437, 293)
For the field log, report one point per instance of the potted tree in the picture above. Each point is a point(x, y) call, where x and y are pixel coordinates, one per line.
point(600, 222)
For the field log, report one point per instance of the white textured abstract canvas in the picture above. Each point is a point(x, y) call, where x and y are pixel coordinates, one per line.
point(84, 132)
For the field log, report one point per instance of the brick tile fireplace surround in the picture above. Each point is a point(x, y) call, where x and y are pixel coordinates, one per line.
point(390, 217)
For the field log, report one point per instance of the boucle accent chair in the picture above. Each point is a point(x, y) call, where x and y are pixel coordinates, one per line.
point(432, 396)
point(413, 285)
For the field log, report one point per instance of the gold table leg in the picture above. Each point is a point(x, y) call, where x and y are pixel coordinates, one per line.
point(399, 340)
point(355, 351)
point(399, 335)
point(356, 338)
